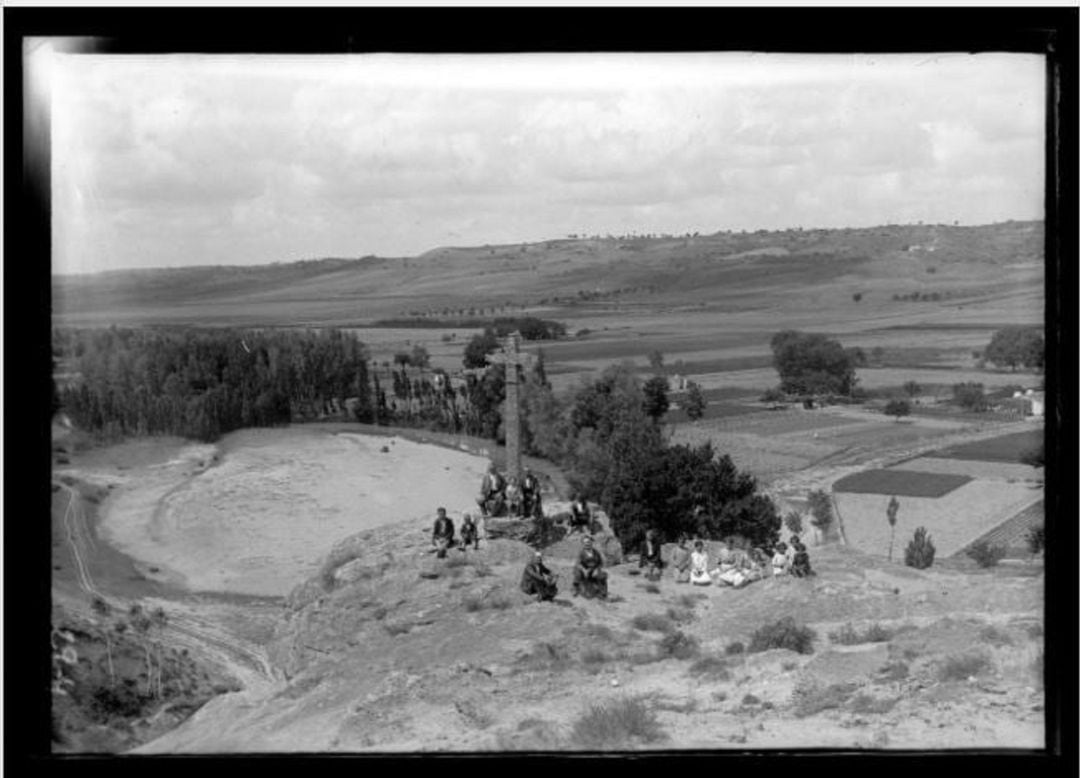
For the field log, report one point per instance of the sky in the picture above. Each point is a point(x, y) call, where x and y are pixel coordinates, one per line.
point(172, 160)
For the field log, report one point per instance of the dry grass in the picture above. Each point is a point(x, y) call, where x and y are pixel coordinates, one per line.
point(894, 671)
point(617, 724)
point(652, 622)
point(677, 645)
point(849, 636)
point(865, 703)
point(681, 615)
point(960, 667)
point(995, 637)
point(478, 603)
point(808, 698)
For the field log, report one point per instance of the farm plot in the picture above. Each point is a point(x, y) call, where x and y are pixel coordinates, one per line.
point(882, 434)
point(760, 456)
point(771, 423)
point(902, 483)
point(997, 471)
point(953, 521)
point(1006, 448)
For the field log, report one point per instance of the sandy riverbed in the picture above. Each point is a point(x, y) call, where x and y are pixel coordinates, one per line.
point(255, 514)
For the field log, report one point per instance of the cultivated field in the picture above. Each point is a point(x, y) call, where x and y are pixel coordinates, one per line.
point(1006, 449)
point(902, 483)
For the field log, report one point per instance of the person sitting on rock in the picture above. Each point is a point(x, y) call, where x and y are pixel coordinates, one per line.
point(491, 493)
point(590, 578)
point(513, 496)
point(650, 556)
point(537, 580)
point(580, 518)
point(699, 565)
point(680, 561)
point(442, 535)
point(530, 495)
point(469, 533)
point(780, 559)
point(800, 566)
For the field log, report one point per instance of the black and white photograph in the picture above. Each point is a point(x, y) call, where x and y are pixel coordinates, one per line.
point(547, 401)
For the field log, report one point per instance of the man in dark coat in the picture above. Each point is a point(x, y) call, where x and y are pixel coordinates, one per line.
point(538, 580)
point(442, 535)
point(590, 578)
point(530, 494)
point(800, 566)
point(469, 533)
point(650, 556)
point(580, 519)
point(492, 496)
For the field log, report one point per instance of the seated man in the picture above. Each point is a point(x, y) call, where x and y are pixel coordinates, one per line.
point(491, 498)
point(681, 562)
point(538, 580)
point(590, 578)
point(650, 556)
point(580, 518)
point(442, 535)
point(800, 566)
point(469, 533)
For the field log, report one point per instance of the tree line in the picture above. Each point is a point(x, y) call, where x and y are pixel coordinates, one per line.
point(202, 383)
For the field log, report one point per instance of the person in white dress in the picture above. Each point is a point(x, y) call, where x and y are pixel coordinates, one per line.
point(699, 565)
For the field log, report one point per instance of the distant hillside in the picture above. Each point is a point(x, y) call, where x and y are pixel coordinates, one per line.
point(565, 274)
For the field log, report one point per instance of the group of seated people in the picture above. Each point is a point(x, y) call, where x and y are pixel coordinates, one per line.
point(442, 534)
point(509, 497)
point(590, 578)
point(735, 567)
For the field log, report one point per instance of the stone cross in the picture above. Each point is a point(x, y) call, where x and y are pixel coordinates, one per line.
point(512, 358)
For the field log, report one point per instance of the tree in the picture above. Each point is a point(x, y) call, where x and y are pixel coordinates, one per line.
point(656, 397)
point(403, 358)
point(695, 401)
point(1015, 346)
point(897, 408)
point(479, 347)
point(920, 550)
point(820, 509)
point(419, 356)
point(912, 388)
point(810, 363)
point(793, 521)
point(656, 361)
point(970, 396)
point(1036, 539)
point(890, 515)
point(857, 296)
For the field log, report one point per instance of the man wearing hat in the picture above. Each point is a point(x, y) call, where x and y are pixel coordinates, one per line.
point(538, 580)
point(590, 578)
point(442, 534)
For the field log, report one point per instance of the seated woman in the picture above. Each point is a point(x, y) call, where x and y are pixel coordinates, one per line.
point(650, 556)
point(681, 562)
point(780, 559)
point(739, 571)
point(699, 565)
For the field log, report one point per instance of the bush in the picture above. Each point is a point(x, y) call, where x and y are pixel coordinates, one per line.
point(711, 667)
point(864, 703)
point(734, 649)
point(784, 633)
point(680, 615)
point(897, 408)
point(751, 699)
point(793, 521)
point(677, 645)
point(652, 622)
point(995, 636)
point(773, 395)
point(615, 724)
point(920, 551)
point(986, 554)
point(849, 636)
point(820, 509)
point(808, 698)
point(893, 671)
point(960, 667)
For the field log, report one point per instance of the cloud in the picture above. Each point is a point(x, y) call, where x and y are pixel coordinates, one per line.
point(255, 159)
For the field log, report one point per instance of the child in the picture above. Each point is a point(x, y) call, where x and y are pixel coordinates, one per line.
point(699, 565)
point(780, 560)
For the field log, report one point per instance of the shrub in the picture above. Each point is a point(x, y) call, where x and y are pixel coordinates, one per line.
point(593, 658)
point(893, 671)
point(897, 408)
point(986, 554)
point(793, 521)
point(784, 633)
point(865, 703)
point(100, 606)
point(849, 636)
point(995, 636)
point(809, 698)
point(397, 628)
point(732, 649)
point(680, 615)
point(920, 551)
point(651, 588)
point(773, 395)
point(960, 667)
point(652, 622)
point(820, 509)
point(677, 645)
point(1036, 539)
point(711, 667)
point(615, 724)
point(751, 699)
